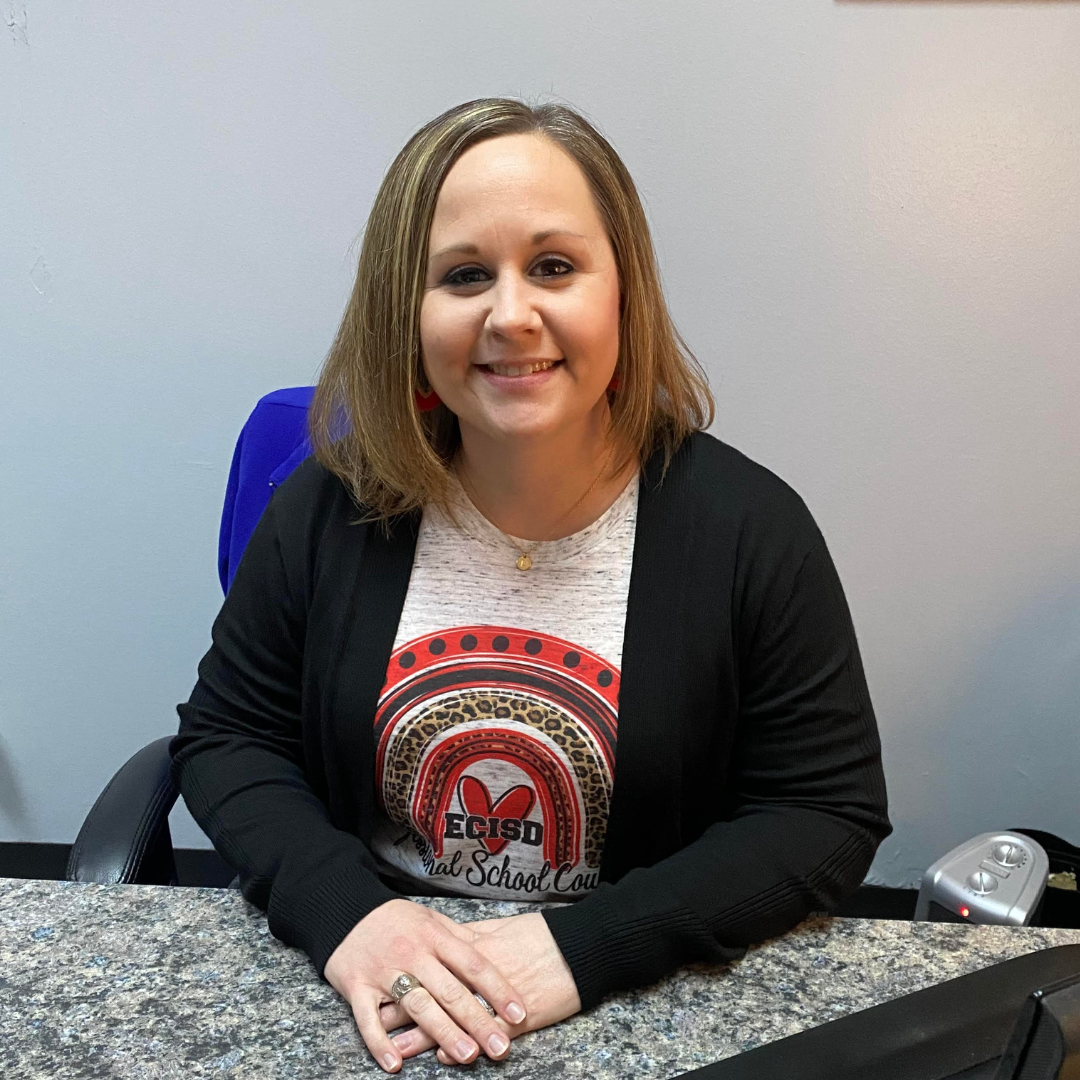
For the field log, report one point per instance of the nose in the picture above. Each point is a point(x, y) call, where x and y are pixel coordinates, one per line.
point(513, 311)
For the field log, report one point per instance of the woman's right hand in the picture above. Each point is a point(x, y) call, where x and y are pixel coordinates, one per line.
point(400, 936)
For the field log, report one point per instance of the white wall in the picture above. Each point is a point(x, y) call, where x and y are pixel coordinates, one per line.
point(868, 215)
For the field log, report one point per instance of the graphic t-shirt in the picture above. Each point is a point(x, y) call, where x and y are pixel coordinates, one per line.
point(496, 727)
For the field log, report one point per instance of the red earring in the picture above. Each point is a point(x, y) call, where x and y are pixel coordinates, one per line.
point(427, 402)
point(614, 384)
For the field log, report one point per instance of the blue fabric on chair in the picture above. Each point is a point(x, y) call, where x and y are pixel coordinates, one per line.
point(271, 444)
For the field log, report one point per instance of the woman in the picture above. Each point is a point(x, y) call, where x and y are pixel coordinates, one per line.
point(522, 630)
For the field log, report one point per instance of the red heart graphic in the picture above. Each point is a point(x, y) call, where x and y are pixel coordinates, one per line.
point(476, 799)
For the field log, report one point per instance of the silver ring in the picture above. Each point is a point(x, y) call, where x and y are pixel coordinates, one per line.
point(483, 1001)
point(403, 984)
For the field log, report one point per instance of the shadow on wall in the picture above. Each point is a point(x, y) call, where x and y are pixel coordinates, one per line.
point(1006, 753)
point(13, 804)
point(1024, 709)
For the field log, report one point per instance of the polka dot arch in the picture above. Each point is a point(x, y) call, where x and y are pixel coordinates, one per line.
point(498, 641)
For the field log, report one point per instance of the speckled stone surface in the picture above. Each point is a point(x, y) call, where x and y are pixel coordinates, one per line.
point(144, 982)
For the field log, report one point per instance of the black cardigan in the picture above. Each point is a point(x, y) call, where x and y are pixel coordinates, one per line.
point(748, 782)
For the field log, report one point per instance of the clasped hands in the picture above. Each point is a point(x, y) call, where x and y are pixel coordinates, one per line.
point(514, 963)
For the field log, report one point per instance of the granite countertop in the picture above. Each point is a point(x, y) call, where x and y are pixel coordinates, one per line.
point(140, 981)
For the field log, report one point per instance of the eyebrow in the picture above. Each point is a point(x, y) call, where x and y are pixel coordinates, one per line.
point(538, 238)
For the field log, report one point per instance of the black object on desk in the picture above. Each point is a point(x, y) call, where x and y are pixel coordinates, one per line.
point(957, 1030)
point(1045, 1043)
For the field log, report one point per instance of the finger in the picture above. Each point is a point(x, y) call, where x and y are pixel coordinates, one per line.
point(475, 970)
point(443, 1059)
point(467, 929)
point(461, 1004)
point(486, 926)
point(416, 1041)
point(381, 1046)
point(393, 1016)
point(422, 1006)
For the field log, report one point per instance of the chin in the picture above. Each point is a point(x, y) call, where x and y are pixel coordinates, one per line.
point(502, 421)
point(526, 432)
point(530, 424)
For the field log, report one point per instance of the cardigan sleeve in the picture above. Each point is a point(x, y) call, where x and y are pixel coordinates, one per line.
point(807, 802)
point(238, 761)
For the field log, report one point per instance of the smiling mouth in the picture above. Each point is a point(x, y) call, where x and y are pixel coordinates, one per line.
point(521, 369)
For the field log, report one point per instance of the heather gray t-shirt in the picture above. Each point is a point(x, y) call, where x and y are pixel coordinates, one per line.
point(496, 727)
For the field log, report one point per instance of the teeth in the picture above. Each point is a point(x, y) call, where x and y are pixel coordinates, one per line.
point(520, 369)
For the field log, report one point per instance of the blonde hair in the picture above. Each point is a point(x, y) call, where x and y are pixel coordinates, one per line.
point(364, 422)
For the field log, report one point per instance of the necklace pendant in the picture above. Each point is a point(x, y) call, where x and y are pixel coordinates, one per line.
point(524, 562)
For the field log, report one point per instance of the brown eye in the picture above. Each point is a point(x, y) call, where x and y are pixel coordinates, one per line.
point(464, 275)
point(554, 268)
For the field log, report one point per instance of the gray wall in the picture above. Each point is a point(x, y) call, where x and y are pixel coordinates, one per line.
point(868, 216)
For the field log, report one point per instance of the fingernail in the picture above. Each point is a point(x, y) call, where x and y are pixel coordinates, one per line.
point(498, 1044)
point(403, 1040)
point(515, 1012)
point(390, 1061)
point(464, 1049)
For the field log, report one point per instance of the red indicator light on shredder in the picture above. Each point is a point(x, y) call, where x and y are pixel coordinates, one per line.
point(965, 912)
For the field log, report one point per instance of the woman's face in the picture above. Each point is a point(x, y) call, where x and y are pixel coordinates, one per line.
point(520, 271)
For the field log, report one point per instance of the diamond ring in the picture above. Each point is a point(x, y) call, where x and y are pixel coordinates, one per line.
point(403, 984)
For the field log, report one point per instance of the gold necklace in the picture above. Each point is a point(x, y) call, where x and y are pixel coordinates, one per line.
point(524, 559)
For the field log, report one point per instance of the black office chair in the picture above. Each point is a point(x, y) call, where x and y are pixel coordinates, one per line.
point(125, 838)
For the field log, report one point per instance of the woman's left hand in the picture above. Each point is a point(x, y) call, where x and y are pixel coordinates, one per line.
point(522, 948)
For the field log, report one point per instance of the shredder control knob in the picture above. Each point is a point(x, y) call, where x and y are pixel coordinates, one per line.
point(982, 882)
point(1006, 854)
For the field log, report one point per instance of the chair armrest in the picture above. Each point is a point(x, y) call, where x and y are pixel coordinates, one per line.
point(125, 838)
